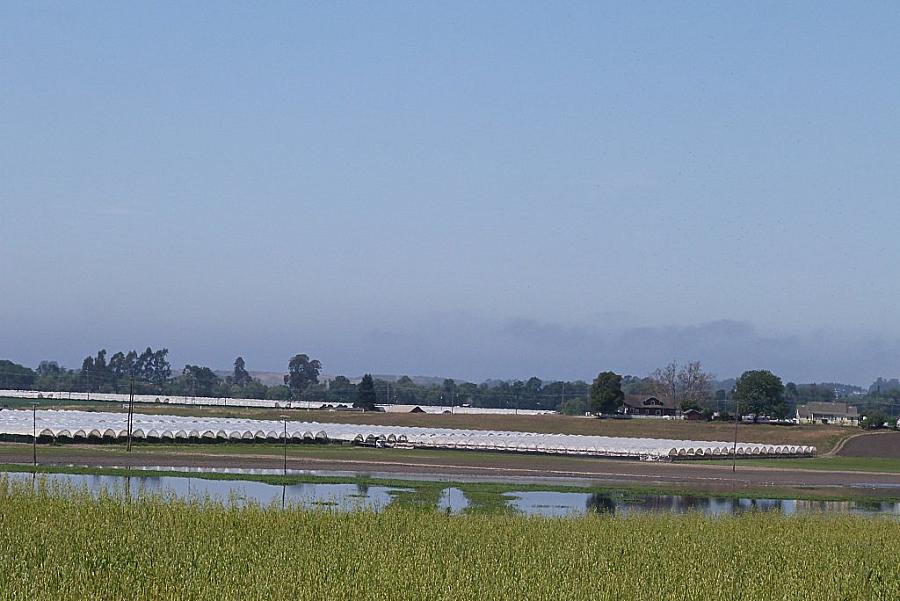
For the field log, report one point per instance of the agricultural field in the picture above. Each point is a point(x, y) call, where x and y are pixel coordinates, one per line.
point(57, 543)
point(782, 478)
point(875, 445)
point(823, 437)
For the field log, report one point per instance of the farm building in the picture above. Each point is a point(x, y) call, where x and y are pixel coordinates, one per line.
point(647, 405)
point(828, 413)
point(692, 415)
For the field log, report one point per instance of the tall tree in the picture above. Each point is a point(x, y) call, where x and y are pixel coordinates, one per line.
point(117, 365)
point(88, 377)
point(365, 394)
point(666, 382)
point(302, 371)
point(532, 392)
point(606, 392)
point(341, 389)
point(160, 370)
point(117, 369)
point(15, 376)
point(199, 381)
point(686, 384)
point(100, 366)
point(791, 393)
point(240, 376)
point(694, 384)
point(760, 392)
point(131, 364)
point(448, 389)
point(143, 365)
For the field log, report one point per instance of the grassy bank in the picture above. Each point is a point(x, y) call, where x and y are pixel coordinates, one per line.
point(56, 544)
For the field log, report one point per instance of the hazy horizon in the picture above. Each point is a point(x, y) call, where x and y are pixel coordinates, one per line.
point(454, 190)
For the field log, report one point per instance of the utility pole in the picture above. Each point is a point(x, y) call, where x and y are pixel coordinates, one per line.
point(737, 418)
point(34, 435)
point(130, 410)
point(285, 445)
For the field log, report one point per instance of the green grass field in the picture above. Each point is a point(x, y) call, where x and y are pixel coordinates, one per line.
point(64, 544)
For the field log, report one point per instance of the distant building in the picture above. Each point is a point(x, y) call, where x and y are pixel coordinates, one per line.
point(828, 413)
point(692, 415)
point(635, 404)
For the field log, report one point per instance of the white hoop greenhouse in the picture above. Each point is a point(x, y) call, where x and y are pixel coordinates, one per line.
point(82, 426)
point(199, 401)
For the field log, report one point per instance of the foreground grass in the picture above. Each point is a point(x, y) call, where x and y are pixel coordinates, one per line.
point(62, 544)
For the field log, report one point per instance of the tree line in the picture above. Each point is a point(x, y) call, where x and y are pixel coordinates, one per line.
point(686, 386)
point(151, 373)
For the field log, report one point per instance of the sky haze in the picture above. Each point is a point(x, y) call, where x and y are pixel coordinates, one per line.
point(460, 189)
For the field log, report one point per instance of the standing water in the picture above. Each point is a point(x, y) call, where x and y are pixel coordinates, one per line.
point(362, 496)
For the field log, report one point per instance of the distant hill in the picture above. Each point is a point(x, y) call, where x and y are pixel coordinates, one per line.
point(273, 378)
point(420, 380)
point(269, 378)
point(727, 384)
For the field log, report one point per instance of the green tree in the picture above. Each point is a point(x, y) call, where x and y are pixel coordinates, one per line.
point(88, 377)
point(449, 391)
point(760, 392)
point(15, 376)
point(131, 364)
point(302, 371)
point(160, 370)
point(573, 407)
point(143, 365)
point(342, 390)
point(240, 376)
point(278, 393)
point(50, 376)
point(791, 393)
point(100, 365)
point(365, 394)
point(532, 392)
point(254, 389)
point(199, 381)
point(606, 392)
point(687, 404)
point(117, 369)
point(873, 420)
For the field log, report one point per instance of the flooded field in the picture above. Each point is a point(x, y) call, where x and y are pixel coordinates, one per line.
point(361, 496)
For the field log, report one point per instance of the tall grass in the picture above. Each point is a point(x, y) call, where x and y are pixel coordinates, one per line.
point(62, 544)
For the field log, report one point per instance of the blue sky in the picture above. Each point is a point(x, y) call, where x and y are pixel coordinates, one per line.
point(454, 188)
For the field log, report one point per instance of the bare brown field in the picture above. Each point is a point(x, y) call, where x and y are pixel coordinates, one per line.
point(877, 444)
